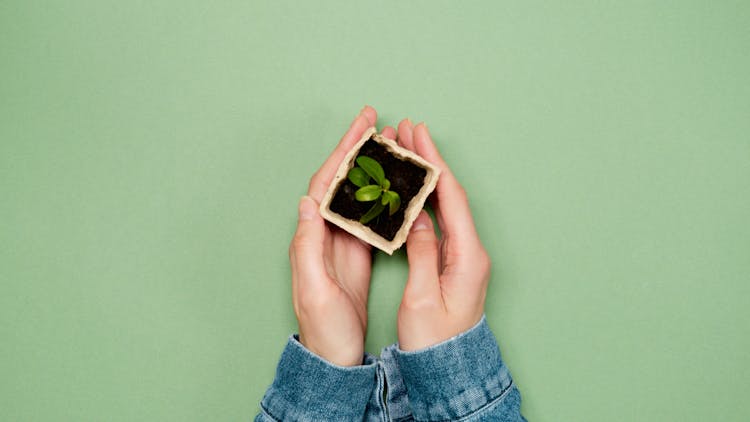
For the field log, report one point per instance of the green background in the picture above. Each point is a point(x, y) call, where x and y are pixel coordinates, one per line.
point(152, 155)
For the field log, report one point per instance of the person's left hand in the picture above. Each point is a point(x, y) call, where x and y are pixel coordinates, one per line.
point(331, 268)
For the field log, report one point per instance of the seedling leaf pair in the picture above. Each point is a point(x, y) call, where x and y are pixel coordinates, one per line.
point(360, 176)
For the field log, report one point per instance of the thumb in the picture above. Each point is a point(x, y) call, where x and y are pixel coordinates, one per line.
point(307, 246)
point(422, 252)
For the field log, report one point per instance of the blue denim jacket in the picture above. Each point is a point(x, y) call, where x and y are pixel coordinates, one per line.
point(460, 379)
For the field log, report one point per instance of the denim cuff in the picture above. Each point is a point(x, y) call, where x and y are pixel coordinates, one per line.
point(309, 388)
point(456, 378)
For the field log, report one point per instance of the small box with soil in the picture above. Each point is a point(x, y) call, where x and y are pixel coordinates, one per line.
point(385, 221)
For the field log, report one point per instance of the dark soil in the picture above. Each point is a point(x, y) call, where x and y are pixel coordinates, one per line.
point(406, 179)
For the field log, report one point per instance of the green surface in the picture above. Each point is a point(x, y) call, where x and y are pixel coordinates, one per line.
point(152, 155)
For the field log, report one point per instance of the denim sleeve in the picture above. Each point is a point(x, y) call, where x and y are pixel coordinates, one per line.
point(308, 388)
point(463, 378)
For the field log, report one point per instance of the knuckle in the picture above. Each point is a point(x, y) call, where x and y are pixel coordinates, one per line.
point(461, 190)
point(484, 263)
point(458, 188)
point(317, 186)
point(313, 182)
point(424, 247)
point(418, 304)
point(300, 241)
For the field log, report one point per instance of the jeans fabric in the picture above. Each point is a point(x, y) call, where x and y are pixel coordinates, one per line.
point(460, 379)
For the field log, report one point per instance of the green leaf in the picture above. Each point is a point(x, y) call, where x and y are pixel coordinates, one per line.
point(372, 168)
point(358, 177)
point(367, 193)
point(394, 201)
point(372, 213)
point(388, 196)
point(386, 184)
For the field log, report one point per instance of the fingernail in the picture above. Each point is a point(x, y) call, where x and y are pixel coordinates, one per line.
point(307, 208)
point(419, 225)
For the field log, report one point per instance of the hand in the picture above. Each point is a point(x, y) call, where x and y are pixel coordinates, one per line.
point(331, 268)
point(448, 278)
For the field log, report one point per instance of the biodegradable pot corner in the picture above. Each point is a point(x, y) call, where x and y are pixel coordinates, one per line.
point(403, 159)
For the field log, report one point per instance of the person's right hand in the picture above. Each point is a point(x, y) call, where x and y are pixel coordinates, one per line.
point(448, 277)
point(331, 268)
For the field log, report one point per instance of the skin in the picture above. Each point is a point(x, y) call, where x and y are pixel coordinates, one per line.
point(448, 277)
point(331, 268)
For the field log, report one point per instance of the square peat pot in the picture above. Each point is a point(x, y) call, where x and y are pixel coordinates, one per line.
point(411, 176)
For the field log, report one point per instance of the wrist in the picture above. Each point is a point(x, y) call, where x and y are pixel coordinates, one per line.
point(337, 355)
point(423, 333)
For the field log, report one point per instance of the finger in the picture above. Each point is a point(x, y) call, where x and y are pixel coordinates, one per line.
point(389, 132)
point(451, 205)
point(405, 129)
point(370, 114)
point(422, 253)
point(306, 251)
point(322, 178)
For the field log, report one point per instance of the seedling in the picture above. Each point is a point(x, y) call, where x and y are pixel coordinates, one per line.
point(380, 192)
point(410, 175)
